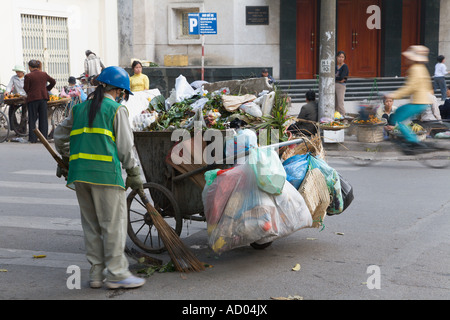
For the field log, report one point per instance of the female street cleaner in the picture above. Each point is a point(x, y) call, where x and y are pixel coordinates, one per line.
point(418, 86)
point(98, 137)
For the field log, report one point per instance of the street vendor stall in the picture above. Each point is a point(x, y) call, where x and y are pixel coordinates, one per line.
point(18, 113)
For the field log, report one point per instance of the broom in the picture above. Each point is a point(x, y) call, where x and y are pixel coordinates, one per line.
point(182, 258)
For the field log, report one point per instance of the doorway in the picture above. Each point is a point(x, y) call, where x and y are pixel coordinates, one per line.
point(360, 44)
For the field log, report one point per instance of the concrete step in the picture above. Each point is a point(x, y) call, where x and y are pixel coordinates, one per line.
point(358, 89)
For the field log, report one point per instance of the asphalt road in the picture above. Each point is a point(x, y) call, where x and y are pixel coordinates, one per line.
point(391, 243)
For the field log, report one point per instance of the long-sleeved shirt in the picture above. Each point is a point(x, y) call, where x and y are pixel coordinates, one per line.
point(35, 85)
point(139, 82)
point(15, 85)
point(342, 73)
point(123, 134)
point(418, 85)
point(432, 113)
point(440, 70)
point(93, 65)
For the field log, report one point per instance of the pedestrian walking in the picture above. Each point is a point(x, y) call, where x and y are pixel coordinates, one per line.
point(95, 140)
point(37, 84)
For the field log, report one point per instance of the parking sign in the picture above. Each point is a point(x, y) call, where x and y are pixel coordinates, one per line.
point(202, 23)
point(193, 23)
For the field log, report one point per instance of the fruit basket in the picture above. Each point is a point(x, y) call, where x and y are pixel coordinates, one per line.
point(334, 126)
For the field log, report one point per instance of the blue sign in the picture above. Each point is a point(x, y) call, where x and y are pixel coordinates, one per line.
point(202, 23)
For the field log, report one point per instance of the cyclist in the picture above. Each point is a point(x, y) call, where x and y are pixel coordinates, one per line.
point(418, 85)
point(98, 136)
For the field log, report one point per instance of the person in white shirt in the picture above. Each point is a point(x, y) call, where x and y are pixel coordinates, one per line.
point(440, 72)
point(16, 83)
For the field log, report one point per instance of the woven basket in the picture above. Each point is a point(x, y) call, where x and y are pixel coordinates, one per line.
point(316, 195)
point(370, 134)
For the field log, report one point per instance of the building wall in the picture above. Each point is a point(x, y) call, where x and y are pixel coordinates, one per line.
point(444, 30)
point(236, 44)
point(89, 25)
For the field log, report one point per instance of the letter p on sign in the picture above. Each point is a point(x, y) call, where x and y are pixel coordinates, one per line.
point(193, 23)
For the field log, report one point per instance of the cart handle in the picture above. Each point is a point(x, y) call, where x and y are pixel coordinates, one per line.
point(283, 144)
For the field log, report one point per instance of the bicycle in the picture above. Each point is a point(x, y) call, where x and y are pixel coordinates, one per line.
point(4, 122)
point(17, 115)
point(434, 154)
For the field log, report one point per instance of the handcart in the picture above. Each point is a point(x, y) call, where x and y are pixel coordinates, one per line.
point(176, 190)
point(18, 114)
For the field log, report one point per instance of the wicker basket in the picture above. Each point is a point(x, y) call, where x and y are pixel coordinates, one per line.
point(371, 134)
point(316, 195)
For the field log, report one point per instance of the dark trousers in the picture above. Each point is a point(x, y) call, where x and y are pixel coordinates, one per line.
point(37, 110)
point(439, 83)
point(445, 110)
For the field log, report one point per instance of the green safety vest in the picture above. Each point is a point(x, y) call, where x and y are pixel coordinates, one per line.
point(93, 151)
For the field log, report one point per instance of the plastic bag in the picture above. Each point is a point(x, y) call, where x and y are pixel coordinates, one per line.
point(333, 184)
point(242, 141)
point(347, 192)
point(269, 171)
point(292, 214)
point(239, 213)
point(183, 89)
point(296, 168)
point(252, 109)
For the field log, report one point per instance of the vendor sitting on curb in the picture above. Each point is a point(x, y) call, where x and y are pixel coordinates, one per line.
point(386, 112)
point(307, 116)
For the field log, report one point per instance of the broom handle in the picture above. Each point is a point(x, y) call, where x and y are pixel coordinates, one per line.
point(146, 202)
point(50, 149)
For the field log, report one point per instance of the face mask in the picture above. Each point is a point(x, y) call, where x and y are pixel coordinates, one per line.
point(119, 98)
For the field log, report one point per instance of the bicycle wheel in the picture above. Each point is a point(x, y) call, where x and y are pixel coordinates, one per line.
point(18, 118)
point(58, 115)
point(4, 127)
point(439, 159)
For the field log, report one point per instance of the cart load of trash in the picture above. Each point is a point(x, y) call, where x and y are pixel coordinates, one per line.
point(215, 105)
point(268, 197)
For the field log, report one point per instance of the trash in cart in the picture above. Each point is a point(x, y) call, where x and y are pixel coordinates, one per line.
point(238, 212)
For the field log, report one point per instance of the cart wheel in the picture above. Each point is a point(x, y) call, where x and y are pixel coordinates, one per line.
point(141, 229)
point(58, 116)
point(261, 246)
point(18, 117)
point(4, 127)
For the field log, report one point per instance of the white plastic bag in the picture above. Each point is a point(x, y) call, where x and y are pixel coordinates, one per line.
point(238, 213)
point(252, 109)
point(183, 89)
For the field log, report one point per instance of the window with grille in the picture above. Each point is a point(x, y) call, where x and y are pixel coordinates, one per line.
point(47, 39)
point(178, 23)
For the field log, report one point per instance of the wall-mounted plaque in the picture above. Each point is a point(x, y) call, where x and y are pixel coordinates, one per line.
point(257, 15)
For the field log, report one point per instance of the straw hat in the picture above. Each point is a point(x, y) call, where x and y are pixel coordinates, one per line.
point(417, 53)
point(20, 68)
